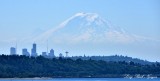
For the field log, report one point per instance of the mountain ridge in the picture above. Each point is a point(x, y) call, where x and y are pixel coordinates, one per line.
point(86, 27)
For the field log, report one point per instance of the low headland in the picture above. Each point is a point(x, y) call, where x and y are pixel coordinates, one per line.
point(20, 66)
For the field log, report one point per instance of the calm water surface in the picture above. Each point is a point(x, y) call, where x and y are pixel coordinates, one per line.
point(83, 79)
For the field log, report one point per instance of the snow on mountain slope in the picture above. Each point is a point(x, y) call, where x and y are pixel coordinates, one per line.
point(87, 27)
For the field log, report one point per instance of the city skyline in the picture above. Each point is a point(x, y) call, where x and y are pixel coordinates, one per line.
point(33, 52)
point(106, 27)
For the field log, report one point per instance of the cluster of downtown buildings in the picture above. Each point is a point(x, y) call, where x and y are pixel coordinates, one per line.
point(34, 52)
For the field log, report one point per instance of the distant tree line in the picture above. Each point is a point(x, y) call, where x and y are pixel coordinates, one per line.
point(12, 66)
point(114, 58)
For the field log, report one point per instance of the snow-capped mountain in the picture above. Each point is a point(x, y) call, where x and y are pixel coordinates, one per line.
point(85, 27)
point(91, 34)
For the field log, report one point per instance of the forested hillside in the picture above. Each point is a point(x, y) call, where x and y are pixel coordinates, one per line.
point(114, 58)
point(23, 66)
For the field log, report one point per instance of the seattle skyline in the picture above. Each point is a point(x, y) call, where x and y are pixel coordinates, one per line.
point(33, 52)
point(136, 27)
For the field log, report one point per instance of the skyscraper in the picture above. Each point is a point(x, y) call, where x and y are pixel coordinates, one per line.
point(44, 54)
point(51, 54)
point(61, 55)
point(13, 51)
point(25, 52)
point(33, 50)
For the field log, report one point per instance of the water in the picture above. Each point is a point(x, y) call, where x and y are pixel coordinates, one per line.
point(84, 79)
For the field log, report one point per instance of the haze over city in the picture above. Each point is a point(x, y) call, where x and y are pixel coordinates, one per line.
point(106, 27)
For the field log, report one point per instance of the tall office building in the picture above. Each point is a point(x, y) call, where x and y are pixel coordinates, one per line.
point(44, 54)
point(13, 51)
point(61, 55)
point(51, 54)
point(25, 52)
point(33, 50)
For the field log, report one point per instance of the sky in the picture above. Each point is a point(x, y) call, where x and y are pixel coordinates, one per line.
point(22, 18)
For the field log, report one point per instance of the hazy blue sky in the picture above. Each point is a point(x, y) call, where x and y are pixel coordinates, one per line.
point(21, 18)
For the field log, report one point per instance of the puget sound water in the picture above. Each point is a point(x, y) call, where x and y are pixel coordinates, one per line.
point(85, 79)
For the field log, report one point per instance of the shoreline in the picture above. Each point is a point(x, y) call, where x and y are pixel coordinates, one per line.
point(37, 78)
point(27, 78)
